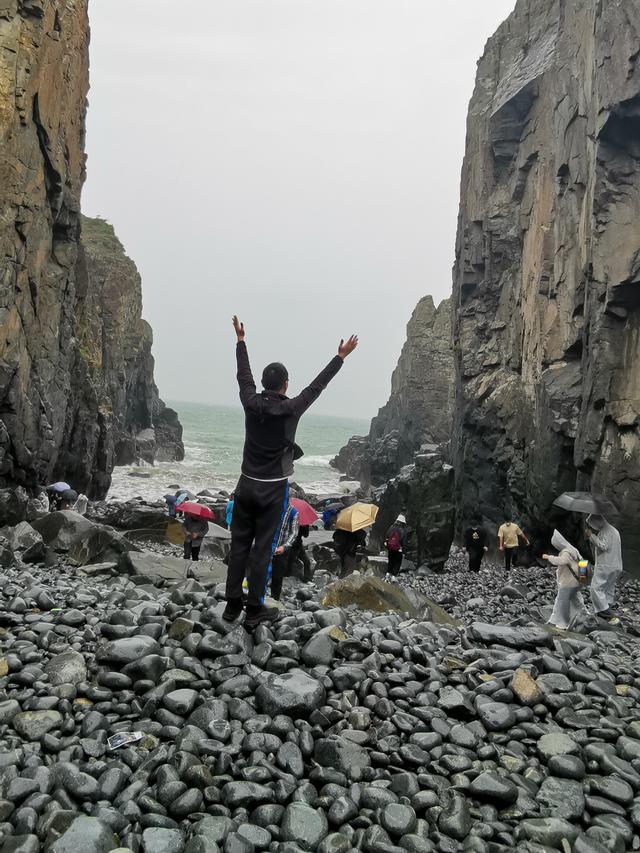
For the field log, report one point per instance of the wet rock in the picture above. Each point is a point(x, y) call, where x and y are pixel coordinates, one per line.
point(525, 687)
point(127, 650)
point(66, 668)
point(557, 743)
point(492, 788)
point(564, 797)
point(295, 694)
point(88, 834)
point(32, 725)
point(304, 825)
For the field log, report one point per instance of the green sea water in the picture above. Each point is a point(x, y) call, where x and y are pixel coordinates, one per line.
point(213, 439)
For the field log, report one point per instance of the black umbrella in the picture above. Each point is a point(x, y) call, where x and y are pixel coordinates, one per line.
point(585, 503)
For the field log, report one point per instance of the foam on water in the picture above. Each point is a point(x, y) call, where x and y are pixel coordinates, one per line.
point(213, 439)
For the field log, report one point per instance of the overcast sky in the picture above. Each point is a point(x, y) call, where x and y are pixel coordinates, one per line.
point(294, 161)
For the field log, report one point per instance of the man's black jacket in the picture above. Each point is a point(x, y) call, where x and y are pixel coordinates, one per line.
point(271, 420)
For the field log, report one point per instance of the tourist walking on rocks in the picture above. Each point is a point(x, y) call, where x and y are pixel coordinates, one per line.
point(346, 545)
point(509, 535)
point(299, 552)
point(395, 543)
point(262, 493)
point(194, 529)
point(605, 540)
point(568, 604)
point(287, 536)
point(475, 542)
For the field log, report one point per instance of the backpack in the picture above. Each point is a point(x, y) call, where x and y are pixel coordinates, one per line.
point(584, 573)
point(394, 542)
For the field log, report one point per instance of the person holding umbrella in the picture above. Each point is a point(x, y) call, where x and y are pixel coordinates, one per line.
point(262, 493)
point(306, 516)
point(605, 540)
point(350, 535)
point(195, 527)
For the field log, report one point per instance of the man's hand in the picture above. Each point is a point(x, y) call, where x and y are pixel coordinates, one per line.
point(346, 349)
point(279, 550)
point(545, 556)
point(239, 327)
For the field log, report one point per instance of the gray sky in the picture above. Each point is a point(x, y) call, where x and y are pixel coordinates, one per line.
point(294, 161)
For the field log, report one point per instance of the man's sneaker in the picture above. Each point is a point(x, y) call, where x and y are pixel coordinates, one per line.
point(232, 611)
point(609, 616)
point(260, 615)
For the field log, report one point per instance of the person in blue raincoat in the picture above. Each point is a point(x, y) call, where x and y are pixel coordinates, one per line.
point(229, 510)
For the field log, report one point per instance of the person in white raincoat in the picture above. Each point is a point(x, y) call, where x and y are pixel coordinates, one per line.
point(608, 564)
point(568, 604)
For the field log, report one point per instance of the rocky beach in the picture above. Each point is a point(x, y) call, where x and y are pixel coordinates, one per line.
point(434, 712)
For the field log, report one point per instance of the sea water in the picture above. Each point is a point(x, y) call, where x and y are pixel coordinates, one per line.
point(213, 438)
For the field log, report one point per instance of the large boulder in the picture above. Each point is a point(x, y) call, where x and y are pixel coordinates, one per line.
point(504, 635)
point(21, 536)
point(371, 593)
point(80, 539)
point(156, 567)
point(424, 493)
point(13, 506)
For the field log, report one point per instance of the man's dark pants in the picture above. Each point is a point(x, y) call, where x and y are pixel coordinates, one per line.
point(394, 560)
point(510, 556)
point(257, 515)
point(475, 559)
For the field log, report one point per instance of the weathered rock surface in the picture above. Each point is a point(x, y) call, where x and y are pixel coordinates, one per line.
point(424, 492)
point(115, 344)
point(75, 366)
point(420, 408)
point(546, 281)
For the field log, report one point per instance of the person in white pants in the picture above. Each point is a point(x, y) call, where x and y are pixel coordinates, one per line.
point(568, 604)
point(608, 564)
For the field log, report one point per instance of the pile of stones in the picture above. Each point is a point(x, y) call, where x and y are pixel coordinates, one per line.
point(335, 730)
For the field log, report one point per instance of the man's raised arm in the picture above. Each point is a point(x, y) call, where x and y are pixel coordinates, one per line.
point(298, 405)
point(245, 378)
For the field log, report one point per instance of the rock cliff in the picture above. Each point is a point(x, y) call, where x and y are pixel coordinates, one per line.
point(116, 415)
point(43, 86)
point(76, 372)
point(547, 276)
point(419, 409)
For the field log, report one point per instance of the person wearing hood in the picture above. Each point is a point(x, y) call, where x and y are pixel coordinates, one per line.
point(395, 542)
point(605, 540)
point(568, 604)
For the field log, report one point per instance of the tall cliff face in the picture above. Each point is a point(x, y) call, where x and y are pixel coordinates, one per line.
point(547, 276)
point(43, 86)
point(419, 409)
point(115, 415)
point(76, 371)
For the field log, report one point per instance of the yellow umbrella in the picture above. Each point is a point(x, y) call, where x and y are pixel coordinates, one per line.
point(356, 517)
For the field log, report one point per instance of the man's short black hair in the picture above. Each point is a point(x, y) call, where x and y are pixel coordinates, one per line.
point(274, 376)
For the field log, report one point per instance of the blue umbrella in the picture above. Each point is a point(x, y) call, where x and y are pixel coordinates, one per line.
point(58, 487)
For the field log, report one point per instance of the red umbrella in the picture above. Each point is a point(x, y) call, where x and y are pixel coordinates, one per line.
point(197, 510)
point(306, 513)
